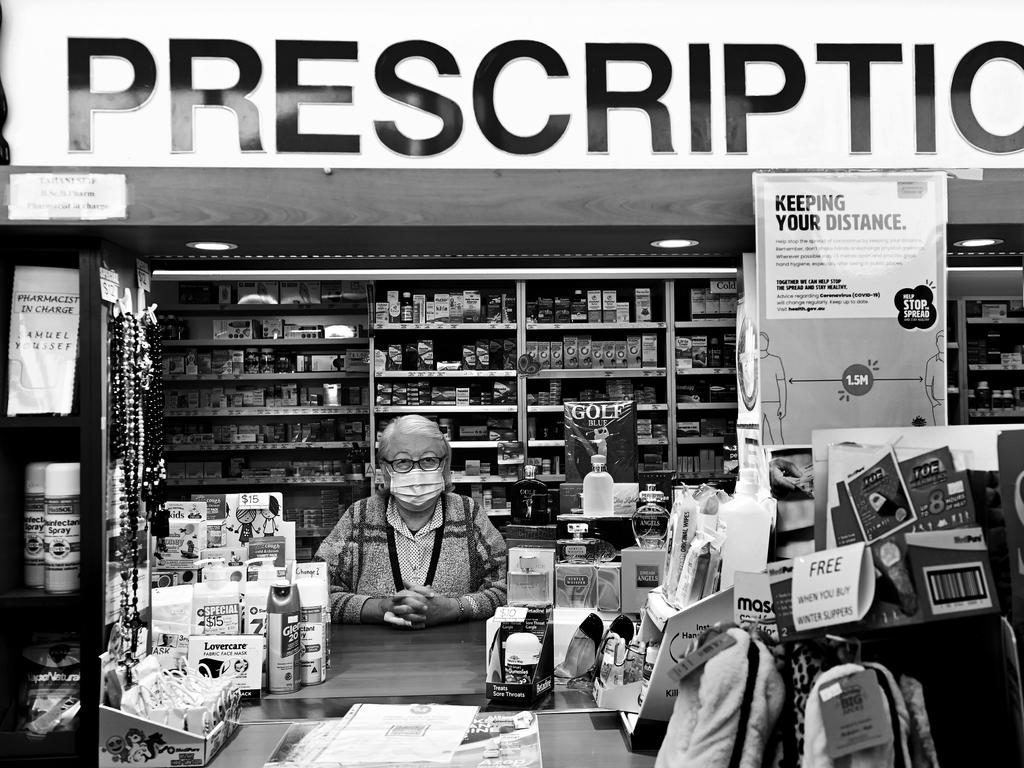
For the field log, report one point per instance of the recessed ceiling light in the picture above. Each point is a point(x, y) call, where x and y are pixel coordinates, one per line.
point(211, 245)
point(674, 243)
point(978, 242)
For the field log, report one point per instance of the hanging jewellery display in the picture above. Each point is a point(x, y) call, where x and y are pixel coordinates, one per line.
point(138, 474)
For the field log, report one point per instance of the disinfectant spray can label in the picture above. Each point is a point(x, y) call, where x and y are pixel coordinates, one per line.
point(35, 526)
point(312, 651)
point(62, 538)
point(283, 667)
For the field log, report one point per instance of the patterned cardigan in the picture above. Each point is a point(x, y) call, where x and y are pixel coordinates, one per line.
point(472, 563)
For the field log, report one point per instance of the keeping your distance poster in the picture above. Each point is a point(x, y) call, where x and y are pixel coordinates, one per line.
point(851, 301)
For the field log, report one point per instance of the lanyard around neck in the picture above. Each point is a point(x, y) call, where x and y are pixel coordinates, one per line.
point(435, 556)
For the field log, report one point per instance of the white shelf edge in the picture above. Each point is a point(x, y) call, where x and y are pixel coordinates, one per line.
point(444, 326)
point(705, 371)
point(446, 374)
point(221, 447)
point(711, 322)
point(640, 326)
point(352, 410)
point(599, 373)
point(385, 409)
point(706, 406)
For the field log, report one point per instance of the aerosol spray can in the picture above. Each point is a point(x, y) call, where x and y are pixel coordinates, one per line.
point(35, 523)
point(62, 536)
point(283, 638)
point(312, 632)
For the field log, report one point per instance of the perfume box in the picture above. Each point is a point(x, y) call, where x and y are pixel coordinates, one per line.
point(608, 587)
point(575, 585)
point(531, 575)
point(642, 571)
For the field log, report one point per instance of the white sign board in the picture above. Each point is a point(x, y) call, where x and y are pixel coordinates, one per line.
point(836, 245)
point(80, 197)
point(525, 84)
point(832, 587)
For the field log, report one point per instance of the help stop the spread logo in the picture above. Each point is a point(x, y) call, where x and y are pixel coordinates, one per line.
point(916, 307)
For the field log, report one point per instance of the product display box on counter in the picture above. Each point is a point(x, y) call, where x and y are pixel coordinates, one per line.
point(644, 722)
point(910, 578)
point(519, 682)
point(126, 739)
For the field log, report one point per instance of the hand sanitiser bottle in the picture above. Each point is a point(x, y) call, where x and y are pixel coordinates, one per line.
point(216, 601)
point(254, 603)
point(748, 528)
point(598, 489)
point(283, 609)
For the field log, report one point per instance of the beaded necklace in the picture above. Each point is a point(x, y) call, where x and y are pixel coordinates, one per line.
point(138, 471)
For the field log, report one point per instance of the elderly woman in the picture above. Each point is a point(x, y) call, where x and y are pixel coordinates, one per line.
point(414, 554)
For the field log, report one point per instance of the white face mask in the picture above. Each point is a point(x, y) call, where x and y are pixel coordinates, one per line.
point(417, 489)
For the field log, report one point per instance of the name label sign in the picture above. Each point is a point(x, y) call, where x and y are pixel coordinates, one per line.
point(74, 196)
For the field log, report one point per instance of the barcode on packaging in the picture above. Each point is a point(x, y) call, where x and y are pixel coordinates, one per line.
point(954, 589)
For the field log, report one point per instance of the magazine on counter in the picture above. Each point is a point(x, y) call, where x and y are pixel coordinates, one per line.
point(310, 742)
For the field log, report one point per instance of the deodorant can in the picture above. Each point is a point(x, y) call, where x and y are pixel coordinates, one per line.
point(62, 534)
point(35, 523)
point(312, 632)
point(283, 638)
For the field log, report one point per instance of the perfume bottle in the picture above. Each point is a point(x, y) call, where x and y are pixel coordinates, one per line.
point(598, 489)
point(530, 499)
point(528, 581)
point(650, 521)
point(577, 548)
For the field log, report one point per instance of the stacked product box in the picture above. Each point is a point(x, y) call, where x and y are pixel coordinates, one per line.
point(705, 460)
point(488, 354)
point(470, 306)
point(276, 396)
point(714, 299)
point(593, 305)
point(498, 392)
point(272, 292)
point(585, 352)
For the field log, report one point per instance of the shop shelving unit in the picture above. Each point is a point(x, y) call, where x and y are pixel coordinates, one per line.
point(970, 334)
point(80, 437)
point(543, 420)
point(448, 339)
point(300, 490)
point(705, 451)
point(671, 318)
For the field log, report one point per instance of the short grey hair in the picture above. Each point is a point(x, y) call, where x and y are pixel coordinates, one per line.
point(414, 425)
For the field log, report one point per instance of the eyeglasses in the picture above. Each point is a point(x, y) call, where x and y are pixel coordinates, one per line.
point(426, 463)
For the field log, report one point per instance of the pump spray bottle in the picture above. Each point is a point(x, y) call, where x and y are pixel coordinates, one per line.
point(283, 610)
point(748, 532)
point(254, 617)
point(216, 600)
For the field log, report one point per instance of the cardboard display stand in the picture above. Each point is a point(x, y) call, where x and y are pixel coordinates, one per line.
point(126, 739)
point(643, 722)
point(518, 694)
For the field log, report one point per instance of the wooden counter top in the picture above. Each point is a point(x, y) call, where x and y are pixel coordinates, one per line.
point(591, 740)
point(387, 665)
